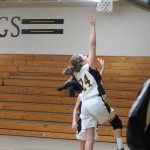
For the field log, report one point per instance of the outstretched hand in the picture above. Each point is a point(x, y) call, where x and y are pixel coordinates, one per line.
point(101, 61)
point(91, 19)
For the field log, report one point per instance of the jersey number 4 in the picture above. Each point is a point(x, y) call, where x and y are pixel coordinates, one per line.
point(85, 82)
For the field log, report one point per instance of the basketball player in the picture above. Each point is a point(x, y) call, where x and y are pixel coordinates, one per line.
point(138, 127)
point(93, 105)
point(76, 125)
point(72, 84)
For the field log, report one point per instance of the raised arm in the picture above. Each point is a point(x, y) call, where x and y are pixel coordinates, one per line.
point(92, 52)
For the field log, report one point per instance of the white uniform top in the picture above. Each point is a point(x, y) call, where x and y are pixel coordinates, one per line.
point(88, 82)
point(93, 106)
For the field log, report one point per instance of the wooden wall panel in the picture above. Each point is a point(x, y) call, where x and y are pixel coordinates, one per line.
point(30, 105)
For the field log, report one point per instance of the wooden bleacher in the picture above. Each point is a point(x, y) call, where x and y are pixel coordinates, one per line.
point(30, 105)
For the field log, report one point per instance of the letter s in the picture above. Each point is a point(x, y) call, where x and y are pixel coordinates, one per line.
point(17, 27)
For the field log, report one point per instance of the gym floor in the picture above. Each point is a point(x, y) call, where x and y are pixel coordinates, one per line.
point(30, 143)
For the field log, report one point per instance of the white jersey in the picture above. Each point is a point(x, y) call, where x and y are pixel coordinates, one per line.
point(93, 105)
point(90, 80)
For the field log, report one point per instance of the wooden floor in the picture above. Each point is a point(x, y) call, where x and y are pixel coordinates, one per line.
point(29, 143)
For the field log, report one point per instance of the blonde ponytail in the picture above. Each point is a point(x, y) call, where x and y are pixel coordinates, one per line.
point(69, 71)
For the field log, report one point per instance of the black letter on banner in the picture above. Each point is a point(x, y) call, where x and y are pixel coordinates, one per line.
point(17, 27)
point(6, 30)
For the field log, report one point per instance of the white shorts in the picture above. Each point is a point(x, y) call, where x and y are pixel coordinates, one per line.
point(94, 109)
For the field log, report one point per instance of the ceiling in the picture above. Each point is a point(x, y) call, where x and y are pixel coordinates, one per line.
point(60, 3)
point(45, 3)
